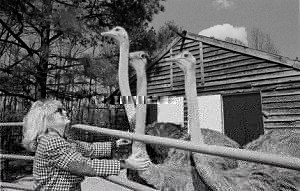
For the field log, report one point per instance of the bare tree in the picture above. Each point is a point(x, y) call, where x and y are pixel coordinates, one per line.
point(234, 41)
point(31, 31)
point(262, 41)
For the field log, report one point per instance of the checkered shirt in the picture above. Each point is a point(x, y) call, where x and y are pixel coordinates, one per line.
point(53, 155)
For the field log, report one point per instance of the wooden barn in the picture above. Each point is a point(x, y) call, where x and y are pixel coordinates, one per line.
point(242, 92)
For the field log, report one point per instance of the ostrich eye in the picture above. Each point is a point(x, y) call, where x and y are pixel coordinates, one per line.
point(144, 56)
point(185, 55)
point(117, 29)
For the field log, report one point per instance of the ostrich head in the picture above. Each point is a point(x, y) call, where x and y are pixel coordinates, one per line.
point(185, 60)
point(142, 55)
point(118, 33)
point(137, 59)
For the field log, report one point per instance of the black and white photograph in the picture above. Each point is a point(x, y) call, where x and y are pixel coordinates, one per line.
point(150, 95)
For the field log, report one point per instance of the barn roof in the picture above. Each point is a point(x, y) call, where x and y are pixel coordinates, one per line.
point(181, 38)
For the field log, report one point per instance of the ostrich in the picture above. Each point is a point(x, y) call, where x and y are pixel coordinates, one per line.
point(121, 36)
point(138, 61)
point(254, 177)
point(218, 176)
point(177, 171)
point(285, 142)
point(174, 170)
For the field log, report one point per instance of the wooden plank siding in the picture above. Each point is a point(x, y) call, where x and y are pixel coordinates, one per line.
point(229, 69)
point(226, 72)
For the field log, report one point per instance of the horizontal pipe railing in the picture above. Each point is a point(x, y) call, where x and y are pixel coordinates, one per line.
point(18, 157)
point(9, 124)
point(235, 153)
point(114, 179)
point(241, 154)
point(15, 186)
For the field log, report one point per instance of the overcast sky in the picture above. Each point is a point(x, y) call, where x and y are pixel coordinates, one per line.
point(235, 18)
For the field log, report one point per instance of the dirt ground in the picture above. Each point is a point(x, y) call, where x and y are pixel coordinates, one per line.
point(94, 184)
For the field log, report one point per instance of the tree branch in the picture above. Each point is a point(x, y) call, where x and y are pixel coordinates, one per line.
point(16, 63)
point(36, 10)
point(10, 42)
point(4, 46)
point(64, 67)
point(17, 94)
point(64, 3)
point(55, 36)
point(22, 43)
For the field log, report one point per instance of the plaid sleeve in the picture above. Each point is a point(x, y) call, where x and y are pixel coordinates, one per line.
point(95, 150)
point(61, 153)
point(105, 167)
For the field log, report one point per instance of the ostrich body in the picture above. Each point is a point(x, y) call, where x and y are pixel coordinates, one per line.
point(284, 142)
point(256, 177)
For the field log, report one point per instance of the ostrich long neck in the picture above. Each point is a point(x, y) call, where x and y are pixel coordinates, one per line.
point(140, 107)
point(141, 96)
point(192, 104)
point(124, 81)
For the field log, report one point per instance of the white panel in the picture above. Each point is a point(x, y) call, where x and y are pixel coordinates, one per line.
point(211, 114)
point(170, 109)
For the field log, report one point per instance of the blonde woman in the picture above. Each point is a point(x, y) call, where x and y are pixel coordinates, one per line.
point(60, 164)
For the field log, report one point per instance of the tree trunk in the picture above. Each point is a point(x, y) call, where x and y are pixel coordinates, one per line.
point(42, 69)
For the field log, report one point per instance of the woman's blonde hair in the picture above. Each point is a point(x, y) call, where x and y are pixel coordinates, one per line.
point(35, 122)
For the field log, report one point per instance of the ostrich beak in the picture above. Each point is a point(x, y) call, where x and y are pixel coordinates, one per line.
point(174, 59)
point(106, 31)
point(107, 34)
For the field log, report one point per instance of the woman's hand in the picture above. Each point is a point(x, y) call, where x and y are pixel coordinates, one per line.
point(134, 162)
point(122, 142)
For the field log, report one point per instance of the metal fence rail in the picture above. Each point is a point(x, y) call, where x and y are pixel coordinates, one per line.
point(15, 186)
point(11, 124)
point(114, 179)
point(240, 154)
point(18, 157)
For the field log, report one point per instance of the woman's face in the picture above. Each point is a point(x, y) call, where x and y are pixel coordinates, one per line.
point(59, 120)
point(60, 117)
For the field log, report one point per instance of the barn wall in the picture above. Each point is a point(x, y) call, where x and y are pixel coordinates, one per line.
point(227, 72)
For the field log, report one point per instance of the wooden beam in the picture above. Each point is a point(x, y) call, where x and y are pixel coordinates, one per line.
point(246, 50)
point(171, 69)
point(201, 63)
